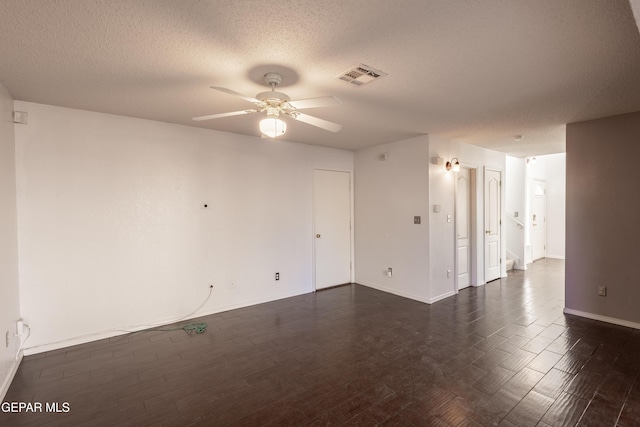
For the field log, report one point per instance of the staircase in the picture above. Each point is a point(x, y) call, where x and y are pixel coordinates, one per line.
point(510, 264)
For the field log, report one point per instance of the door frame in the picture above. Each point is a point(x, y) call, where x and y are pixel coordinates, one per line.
point(501, 237)
point(313, 224)
point(473, 219)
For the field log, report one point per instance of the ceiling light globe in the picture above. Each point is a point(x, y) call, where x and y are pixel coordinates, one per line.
point(272, 127)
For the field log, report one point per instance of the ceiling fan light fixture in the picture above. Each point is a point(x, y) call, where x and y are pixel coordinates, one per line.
point(273, 127)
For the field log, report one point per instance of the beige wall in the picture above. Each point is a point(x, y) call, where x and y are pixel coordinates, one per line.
point(603, 218)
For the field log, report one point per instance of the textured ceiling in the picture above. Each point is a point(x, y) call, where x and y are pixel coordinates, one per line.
point(474, 71)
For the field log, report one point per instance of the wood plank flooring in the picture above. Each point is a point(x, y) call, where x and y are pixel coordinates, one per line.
point(502, 354)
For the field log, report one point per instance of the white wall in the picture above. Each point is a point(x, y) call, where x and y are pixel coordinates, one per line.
point(388, 194)
point(515, 202)
point(112, 229)
point(441, 191)
point(9, 294)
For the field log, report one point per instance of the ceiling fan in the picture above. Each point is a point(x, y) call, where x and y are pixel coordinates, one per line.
point(276, 104)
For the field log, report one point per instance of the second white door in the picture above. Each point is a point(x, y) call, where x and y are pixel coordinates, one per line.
point(492, 224)
point(463, 228)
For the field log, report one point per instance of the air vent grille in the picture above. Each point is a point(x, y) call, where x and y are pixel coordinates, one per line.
point(360, 75)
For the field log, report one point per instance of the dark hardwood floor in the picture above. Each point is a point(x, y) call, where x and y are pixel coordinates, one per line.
point(502, 354)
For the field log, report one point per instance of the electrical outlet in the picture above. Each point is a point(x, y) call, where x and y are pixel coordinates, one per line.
point(277, 276)
point(6, 338)
point(19, 327)
point(602, 291)
point(448, 274)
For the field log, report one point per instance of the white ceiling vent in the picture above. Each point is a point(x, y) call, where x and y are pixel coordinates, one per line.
point(360, 75)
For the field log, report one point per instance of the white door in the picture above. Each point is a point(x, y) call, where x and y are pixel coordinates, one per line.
point(538, 219)
point(463, 227)
point(492, 224)
point(332, 228)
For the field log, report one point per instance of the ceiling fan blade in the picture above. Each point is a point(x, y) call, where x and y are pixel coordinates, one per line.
point(234, 93)
point(217, 116)
point(323, 101)
point(314, 121)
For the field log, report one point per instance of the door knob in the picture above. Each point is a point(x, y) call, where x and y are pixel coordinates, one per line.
point(318, 236)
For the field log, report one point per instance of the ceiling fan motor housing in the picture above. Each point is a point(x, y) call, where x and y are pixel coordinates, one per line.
point(272, 79)
point(273, 97)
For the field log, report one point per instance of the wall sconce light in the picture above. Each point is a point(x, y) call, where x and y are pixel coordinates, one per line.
point(454, 165)
point(531, 160)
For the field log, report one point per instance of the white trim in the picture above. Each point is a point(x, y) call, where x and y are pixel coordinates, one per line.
point(395, 291)
point(407, 294)
point(441, 297)
point(481, 283)
point(607, 319)
point(110, 333)
point(555, 256)
point(9, 378)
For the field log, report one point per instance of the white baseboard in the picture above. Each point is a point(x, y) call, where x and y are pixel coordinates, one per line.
point(607, 319)
point(110, 333)
point(480, 283)
point(406, 294)
point(555, 256)
point(441, 297)
point(6, 382)
point(394, 291)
